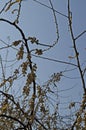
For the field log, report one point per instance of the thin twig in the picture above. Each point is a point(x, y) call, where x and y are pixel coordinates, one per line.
point(55, 19)
point(56, 26)
point(11, 98)
point(41, 124)
point(51, 8)
point(5, 6)
point(19, 10)
point(54, 60)
point(80, 35)
point(3, 74)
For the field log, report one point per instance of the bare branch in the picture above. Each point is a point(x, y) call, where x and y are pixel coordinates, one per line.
point(54, 60)
point(55, 19)
point(75, 48)
point(80, 35)
point(51, 8)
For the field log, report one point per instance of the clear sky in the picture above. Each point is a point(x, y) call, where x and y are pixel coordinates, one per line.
point(38, 21)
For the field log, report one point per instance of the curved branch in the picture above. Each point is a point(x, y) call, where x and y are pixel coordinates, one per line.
point(28, 51)
point(13, 118)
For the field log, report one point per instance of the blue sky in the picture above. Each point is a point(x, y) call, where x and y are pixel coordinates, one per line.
point(38, 21)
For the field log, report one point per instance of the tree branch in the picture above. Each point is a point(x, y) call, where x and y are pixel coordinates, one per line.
point(80, 35)
point(28, 52)
point(54, 60)
point(41, 124)
point(13, 118)
point(50, 8)
point(75, 48)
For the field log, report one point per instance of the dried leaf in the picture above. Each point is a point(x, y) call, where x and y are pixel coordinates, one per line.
point(20, 53)
point(18, 0)
point(70, 57)
point(39, 52)
point(33, 40)
point(16, 43)
point(72, 104)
